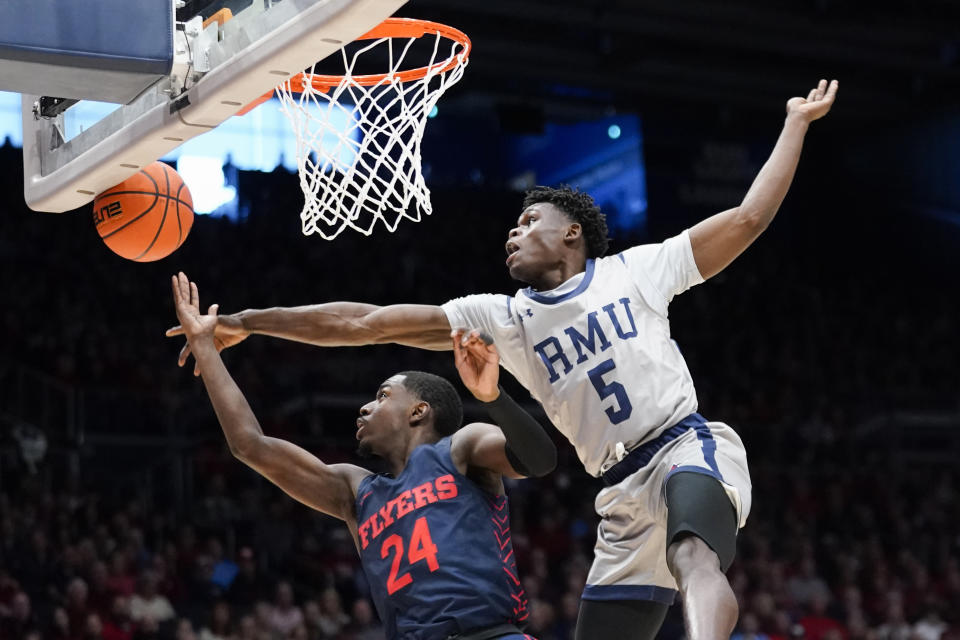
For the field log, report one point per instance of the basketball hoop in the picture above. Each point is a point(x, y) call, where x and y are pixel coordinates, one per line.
point(369, 170)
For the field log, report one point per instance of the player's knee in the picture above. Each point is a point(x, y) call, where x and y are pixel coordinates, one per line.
point(688, 554)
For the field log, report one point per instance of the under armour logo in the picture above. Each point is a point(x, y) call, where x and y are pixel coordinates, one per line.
point(526, 312)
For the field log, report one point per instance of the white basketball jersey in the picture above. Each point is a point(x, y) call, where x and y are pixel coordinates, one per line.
point(596, 352)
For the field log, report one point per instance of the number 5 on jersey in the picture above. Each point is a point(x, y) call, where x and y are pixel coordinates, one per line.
point(614, 388)
point(421, 548)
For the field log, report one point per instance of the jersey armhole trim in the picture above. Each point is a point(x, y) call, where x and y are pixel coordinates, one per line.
point(465, 477)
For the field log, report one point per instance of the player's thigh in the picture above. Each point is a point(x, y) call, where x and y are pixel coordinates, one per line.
point(697, 504)
point(628, 619)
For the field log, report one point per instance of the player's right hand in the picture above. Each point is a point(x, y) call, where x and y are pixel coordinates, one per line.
point(478, 363)
point(227, 332)
point(186, 299)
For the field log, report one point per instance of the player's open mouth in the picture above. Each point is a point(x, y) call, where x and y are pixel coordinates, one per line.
point(512, 250)
point(360, 426)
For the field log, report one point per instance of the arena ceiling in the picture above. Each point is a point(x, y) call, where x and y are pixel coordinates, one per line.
point(894, 60)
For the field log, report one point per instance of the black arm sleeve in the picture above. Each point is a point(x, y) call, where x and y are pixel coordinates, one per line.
point(529, 449)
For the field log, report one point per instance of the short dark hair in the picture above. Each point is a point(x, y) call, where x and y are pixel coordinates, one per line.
point(579, 207)
point(440, 395)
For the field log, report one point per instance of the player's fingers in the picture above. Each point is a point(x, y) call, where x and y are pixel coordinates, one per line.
point(812, 95)
point(832, 90)
point(174, 331)
point(471, 345)
point(184, 354)
point(482, 351)
point(485, 340)
point(474, 341)
point(476, 335)
point(184, 286)
point(458, 355)
point(194, 295)
point(176, 293)
point(212, 311)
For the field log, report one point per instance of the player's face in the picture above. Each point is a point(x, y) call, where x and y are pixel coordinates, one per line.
point(534, 245)
point(382, 418)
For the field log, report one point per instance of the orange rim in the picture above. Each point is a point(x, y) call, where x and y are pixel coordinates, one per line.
point(394, 28)
point(389, 28)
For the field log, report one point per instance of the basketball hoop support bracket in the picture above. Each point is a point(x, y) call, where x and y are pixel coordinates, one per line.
point(255, 54)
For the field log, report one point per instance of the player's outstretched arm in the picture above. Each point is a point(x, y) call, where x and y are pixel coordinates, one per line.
point(719, 239)
point(518, 446)
point(327, 488)
point(333, 324)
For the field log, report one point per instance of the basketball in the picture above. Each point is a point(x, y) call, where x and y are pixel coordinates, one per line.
point(147, 216)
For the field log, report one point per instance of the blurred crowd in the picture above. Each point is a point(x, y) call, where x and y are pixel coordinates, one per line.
point(864, 553)
point(74, 567)
point(800, 345)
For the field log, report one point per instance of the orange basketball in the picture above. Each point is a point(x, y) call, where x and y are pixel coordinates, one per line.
point(147, 216)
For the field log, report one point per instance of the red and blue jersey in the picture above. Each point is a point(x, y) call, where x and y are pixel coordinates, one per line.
point(436, 550)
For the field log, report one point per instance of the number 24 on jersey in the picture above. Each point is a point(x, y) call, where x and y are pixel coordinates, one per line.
point(421, 548)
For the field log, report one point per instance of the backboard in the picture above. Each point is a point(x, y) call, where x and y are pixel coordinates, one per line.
point(224, 57)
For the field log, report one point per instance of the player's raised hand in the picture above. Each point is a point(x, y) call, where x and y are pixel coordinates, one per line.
point(194, 325)
point(478, 363)
point(228, 332)
point(816, 104)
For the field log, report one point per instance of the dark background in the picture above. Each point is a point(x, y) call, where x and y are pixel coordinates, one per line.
point(830, 345)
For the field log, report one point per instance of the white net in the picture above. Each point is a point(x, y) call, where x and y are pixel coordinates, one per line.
point(358, 144)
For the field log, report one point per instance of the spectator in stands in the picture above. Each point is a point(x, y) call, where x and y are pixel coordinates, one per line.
point(224, 570)
point(18, 619)
point(59, 627)
point(817, 623)
point(332, 618)
point(363, 624)
point(117, 625)
point(285, 615)
point(748, 629)
point(146, 603)
point(221, 624)
point(120, 579)
point(248, 586)
point(807, 585)
point(930, 626)
point(895, 626)
point(76, 605)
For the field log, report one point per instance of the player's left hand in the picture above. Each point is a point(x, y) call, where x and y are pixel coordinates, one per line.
point(816, 104)
point(196, 326)
point(478, 363)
